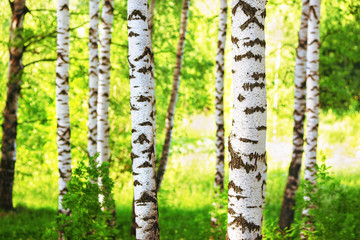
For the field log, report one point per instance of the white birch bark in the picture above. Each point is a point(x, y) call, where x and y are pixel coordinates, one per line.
point(247, 166)
point(142, 120)
point(104, 82)
point(219, 105)
point(62, 98)
point(219, 96)
point(93, 75)
point(293, 181)
point(312, 97)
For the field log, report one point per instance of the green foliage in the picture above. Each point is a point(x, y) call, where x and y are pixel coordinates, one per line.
point(89, 218)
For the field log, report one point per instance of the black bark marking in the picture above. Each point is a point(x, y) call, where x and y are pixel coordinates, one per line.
point(248, 55)
point(256, 76)
point(148, 123)
point(144, 99)
point(246, 140)
point(254, 110)
point(261, 128)
point(258, 177)
point(241, 98)
point(142, 138)
point(145, 198)
point(145, 165)
point(237, 189)
point(132, 34)
point(137, 183)
point(254, 42)
point(136, 15)
point(240, 221)
point(147, 51)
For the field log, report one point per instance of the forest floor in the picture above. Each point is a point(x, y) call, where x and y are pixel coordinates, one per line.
point(186, 196)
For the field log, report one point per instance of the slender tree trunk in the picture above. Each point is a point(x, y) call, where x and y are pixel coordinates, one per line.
point(93, 75)
point(287, 211)
point(104, 81)
point(219, 96)
point(169, 124)
point(247, 166)
point(103, 127)
point(142, 119)
point(312, 101)
point(219, 103)
point(151, 25)
point(8, 145)
point(62, 99)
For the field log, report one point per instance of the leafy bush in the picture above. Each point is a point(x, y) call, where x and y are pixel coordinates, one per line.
point(89, 218)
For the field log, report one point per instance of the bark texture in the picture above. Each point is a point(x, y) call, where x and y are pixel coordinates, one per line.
point(169, 124)
point(8, 145)
point(219, 97)
point(247, 166)
point(93, 75)
point(104, 82)
point(142, 119)
point(312, 100)
point(287, 211)
point(219, 104)
point(62, 98)
point(151, 24)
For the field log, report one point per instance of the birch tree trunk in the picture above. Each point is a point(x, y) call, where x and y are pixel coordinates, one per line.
point(151, 25)
point(104, 81)
point(219, 96)
point(93, 75)
point(219, 103)
point(8, 145)
point(142, 119)
point(169, 124)
point(62, 98)
point(247, 166)
point(312, 101)
point(287, 211)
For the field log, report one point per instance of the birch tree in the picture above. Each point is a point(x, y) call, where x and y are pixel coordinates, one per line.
point(247, 166)
point(142, 120)
point(312, 99)
point(62, 98)
point(104, 81)
point(219, 96)
point(169, 123)
point(93, 75)
point(9, 126)
point(151, 27)
point(219, 102)
point(287, 209)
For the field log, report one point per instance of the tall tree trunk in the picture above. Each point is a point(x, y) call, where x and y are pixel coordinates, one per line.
point(8, 145)
point(142, 119)
point(247, 166)
point(312, 101)
point(219, 103)
point(104, 81)
point(62, 98)
point(287, 211)
point(151, 25)
point(169, 124)
point(93, 75)
point(103, 127)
